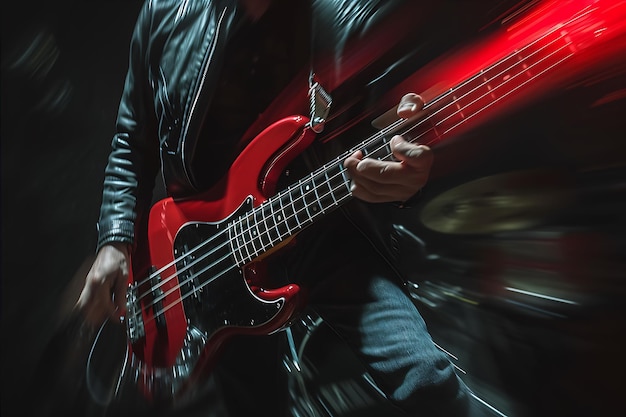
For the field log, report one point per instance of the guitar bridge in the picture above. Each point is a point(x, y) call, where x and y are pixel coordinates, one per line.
point(134, 320)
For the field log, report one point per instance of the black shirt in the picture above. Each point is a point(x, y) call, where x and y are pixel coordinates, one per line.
point(262, 57)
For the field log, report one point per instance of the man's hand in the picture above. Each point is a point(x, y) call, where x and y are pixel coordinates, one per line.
point(378, 181)
point(104, 293)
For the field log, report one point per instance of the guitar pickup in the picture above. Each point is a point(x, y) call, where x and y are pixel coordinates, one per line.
point(157, 298)
point(190, 276)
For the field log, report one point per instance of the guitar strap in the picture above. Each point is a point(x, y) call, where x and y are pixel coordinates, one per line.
point(319, 99)
point(319, 103)
point(341, 58)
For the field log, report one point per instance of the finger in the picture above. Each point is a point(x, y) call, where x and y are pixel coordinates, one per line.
point(386, 172)
point(374, 192)
point(94, 307)
point(417, 156)
point(375, 171)
point(352, 161)
point(410, 104)
point(107, 305)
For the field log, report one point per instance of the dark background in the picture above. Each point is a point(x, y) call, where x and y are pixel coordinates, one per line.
point(63, 65)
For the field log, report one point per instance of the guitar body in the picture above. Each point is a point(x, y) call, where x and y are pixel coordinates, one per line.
point(197, 295)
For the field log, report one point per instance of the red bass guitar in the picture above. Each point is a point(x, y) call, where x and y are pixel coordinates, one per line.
point(205, 254)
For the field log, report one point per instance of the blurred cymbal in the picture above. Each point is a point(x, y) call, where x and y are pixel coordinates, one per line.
point(499, 203)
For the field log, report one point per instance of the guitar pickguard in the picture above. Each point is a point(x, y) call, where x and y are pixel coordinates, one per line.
point(213, 288)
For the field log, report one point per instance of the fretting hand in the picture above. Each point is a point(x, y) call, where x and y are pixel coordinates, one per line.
point(377, 181)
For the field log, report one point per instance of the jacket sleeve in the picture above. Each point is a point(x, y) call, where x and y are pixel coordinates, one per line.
point(134, 158)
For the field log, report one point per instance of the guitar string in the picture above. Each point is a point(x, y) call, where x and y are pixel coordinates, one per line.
point(379, 135)
point(460, 110)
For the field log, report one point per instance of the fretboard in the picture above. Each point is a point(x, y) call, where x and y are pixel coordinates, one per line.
point(290, 211)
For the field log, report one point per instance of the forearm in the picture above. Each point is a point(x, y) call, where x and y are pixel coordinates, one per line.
point(126, 196)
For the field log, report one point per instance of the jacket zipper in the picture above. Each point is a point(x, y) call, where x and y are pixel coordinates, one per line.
point(205, 70)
